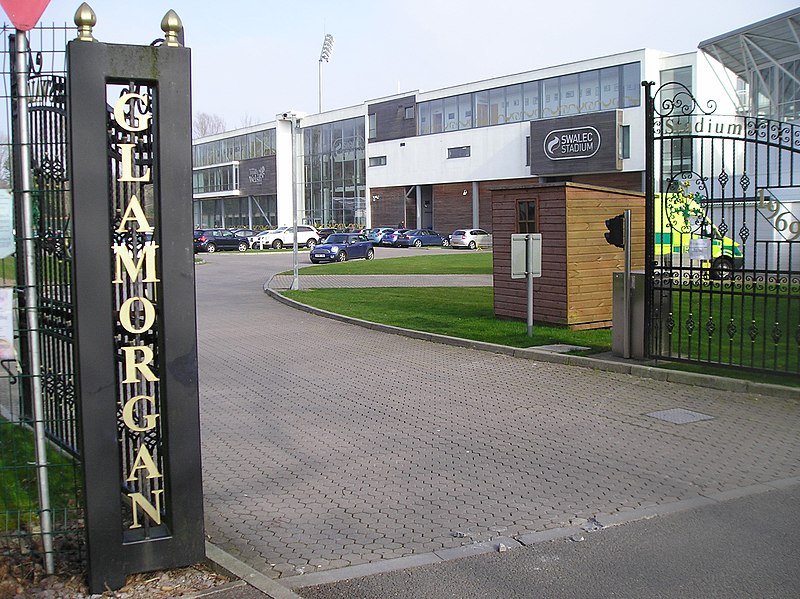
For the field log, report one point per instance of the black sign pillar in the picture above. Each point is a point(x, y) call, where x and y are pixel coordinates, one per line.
point(129, 121)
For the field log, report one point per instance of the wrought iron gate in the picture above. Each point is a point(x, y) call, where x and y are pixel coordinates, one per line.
point(723, 235)
point(44, 251)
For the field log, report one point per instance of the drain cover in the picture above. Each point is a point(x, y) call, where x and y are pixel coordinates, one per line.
point(680, 416)
point(561, 348)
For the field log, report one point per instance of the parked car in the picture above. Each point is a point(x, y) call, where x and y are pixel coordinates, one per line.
point(244, 232)
point(324, 232)
point(390, 237)
point(419, 237)
point(470, 238)
point(277, 238)
point(375, 234)
point(341, 247)
point(211, 240)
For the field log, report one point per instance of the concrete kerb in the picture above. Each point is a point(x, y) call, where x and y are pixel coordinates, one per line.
point(499, 544)
point(640, 370)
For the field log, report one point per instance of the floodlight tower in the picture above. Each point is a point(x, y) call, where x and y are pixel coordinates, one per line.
point(325, 54)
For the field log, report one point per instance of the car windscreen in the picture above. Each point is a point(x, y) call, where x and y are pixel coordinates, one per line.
point(336, 239)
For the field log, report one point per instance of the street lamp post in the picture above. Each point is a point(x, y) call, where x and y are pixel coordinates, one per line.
point(294, 120)
point(325, 54)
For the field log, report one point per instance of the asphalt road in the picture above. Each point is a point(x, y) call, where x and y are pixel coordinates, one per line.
point(746, 547)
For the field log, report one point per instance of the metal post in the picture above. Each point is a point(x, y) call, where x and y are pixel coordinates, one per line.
point(529, 273)
point(626, 345)
point(320, 85)
point(31, 300)
point(295, 271)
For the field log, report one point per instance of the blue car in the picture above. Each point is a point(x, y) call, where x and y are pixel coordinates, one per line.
point(419, 237)
point(341, 247)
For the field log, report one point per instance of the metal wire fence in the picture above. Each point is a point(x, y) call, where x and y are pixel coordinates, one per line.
point(40, 269)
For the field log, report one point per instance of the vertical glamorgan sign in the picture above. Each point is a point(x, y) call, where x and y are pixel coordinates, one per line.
point(129, 115)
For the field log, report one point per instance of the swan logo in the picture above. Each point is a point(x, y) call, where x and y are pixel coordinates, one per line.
point(569, 144)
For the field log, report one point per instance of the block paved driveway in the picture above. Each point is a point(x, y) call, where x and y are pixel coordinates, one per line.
point(328, 445)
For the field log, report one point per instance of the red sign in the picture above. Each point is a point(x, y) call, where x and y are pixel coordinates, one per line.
point(24, 14)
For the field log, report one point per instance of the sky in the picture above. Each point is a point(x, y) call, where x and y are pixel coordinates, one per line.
point(253, 59)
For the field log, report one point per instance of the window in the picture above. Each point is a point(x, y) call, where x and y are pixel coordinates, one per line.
point(465, 111)
point(409, 113)
point(550, 106)
point(514, 103)
point(585, 92)
point(497, 106)
point(569, 94)
point(373, 126)
point(451, 113)
point(437, 116)
point(625, 141)
point(480, 111)
point(526, 216)
point(609, 88)
point(528, 150)
point(531, 101)
point(377, 161)
point(631, 85)
point(589, 88)
point(460, 152)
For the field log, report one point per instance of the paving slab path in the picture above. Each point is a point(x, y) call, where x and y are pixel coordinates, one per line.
point(327, 445)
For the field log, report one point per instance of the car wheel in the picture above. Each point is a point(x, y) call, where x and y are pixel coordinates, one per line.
point(417, 243)
point(370, 254)
point(211, 248)
point(445, 243)
point(472, 245)
point(311, 243)
point(722, 269)
point(242, 247)
point(341, 257)
point(277, 244)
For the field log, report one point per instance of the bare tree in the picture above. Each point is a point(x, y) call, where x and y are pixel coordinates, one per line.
point(248, 120)
point(207, 124)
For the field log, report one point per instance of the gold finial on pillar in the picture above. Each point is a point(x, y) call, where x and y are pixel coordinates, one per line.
point(171, 25)
point(85, 19)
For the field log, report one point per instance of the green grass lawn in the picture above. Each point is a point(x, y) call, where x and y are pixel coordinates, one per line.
point(19, 499)
point(464, 312)
point(748, 325)
point(451, 263)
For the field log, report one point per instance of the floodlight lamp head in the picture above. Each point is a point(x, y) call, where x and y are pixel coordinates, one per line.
point(327, 48)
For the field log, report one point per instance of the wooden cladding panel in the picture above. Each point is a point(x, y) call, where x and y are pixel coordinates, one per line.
point(391, 121)
point(592, 261)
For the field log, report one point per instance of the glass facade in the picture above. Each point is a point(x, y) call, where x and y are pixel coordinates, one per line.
point(237, 147)
point(334, 173)
point(576, 93)
point(215, 179)
point(776, 92)
point(254, 212)
point(676, 155)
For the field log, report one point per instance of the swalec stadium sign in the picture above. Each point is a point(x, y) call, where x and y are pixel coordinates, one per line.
point(568, 144)
point(576, 144)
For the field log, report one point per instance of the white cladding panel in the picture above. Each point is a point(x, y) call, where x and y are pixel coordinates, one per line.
point(497, 152)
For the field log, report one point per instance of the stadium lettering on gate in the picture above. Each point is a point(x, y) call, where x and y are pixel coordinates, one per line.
point(129, 267)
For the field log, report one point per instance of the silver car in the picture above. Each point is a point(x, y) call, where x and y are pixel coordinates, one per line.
point(470, 238)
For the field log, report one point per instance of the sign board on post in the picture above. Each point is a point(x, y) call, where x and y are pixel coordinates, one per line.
point(526, 262)
point(519, 265)
point(129, 115)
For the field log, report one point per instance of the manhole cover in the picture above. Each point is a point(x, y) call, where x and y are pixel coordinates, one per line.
point(679, 416)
